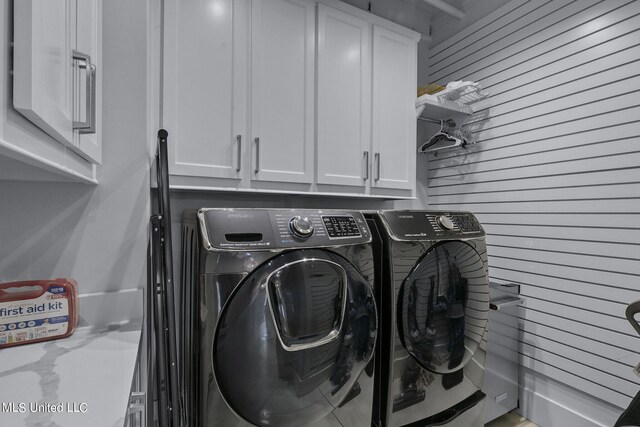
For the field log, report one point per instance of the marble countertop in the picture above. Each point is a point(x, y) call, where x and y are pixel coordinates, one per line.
point(82, 380)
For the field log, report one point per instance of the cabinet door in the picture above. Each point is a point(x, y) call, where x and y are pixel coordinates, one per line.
point(52, 86)
point(88, 32)
point(344, 98)
point(204, 86)
point(394, 120)
point(43, 65)
point(282, 90)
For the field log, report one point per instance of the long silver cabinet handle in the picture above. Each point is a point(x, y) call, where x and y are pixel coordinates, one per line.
point(239, 157)
point(89, 124)
point(257, 142)
point(366, 165)
point(376, 157)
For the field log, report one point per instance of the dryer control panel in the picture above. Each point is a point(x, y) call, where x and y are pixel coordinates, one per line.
point(431, 225)
point(273, 229)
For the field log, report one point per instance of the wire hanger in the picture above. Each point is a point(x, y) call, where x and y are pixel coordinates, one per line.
point(445, 138)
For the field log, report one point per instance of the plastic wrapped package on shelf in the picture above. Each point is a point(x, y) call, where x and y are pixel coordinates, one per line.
point(462, 93)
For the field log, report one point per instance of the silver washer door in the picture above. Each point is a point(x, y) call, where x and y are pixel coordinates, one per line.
point(293, 338)
point(443, 306)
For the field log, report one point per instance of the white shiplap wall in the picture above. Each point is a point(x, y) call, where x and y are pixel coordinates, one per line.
point(555, 180)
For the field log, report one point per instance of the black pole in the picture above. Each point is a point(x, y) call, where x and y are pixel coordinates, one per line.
point(157, 315)
point(173, 402)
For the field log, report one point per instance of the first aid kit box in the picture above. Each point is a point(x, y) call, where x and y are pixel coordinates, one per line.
point(37, 310)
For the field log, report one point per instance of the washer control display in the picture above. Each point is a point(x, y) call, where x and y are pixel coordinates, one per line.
point(341, 226)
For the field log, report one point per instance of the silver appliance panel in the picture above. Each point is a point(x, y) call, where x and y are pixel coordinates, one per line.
point(443, 308)
point(502, 371)
point(293, 338)
point(425, 384)
point(278, 229)
point(412, 225)
point(239, 286)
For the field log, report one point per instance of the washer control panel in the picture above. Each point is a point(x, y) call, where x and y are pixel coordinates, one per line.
point(313, 228)
point(301, 227)
point(444, 222)
point(341, 226)
point(273, 229)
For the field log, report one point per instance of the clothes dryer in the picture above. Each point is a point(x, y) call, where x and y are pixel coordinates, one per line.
point(433, 292)
point(280, 321)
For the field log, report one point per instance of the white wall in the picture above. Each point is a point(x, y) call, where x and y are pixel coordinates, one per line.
point(555, 179)
point(94, 234)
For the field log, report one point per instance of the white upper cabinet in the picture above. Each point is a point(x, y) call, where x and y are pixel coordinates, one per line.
point(204, 108)
point(344, 98)
point(238, 90)
point(288, 96)
point(56, 75)
point(394, 123)
point(87, 87)
point(42, 66)
point(282, 90)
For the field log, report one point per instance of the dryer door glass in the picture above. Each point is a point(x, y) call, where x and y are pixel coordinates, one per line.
point(293, 338)
point(443, 306)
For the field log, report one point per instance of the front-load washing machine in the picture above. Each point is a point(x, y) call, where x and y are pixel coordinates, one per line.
point(433, 296)
point(279, 318)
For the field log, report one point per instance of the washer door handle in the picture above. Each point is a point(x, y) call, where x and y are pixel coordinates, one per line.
point(279, 315)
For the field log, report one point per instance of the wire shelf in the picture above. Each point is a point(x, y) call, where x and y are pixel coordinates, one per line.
point(465, 94)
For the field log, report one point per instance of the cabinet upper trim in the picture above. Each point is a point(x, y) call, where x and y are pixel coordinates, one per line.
point(371, 18)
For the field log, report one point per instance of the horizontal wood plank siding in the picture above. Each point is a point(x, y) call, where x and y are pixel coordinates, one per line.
point(555, 179)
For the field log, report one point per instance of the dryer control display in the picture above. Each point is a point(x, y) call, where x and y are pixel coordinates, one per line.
point(341, 226)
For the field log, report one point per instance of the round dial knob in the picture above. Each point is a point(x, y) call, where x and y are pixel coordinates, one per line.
point(301, 227)
point(444, 222)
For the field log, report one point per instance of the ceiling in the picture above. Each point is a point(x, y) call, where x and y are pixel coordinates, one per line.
point(436, 20)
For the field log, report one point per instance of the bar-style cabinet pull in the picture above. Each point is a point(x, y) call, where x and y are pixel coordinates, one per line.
point(257, 142)
point(239, 154)
point(89, 124)
point(376, 158)
point(366, 165)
